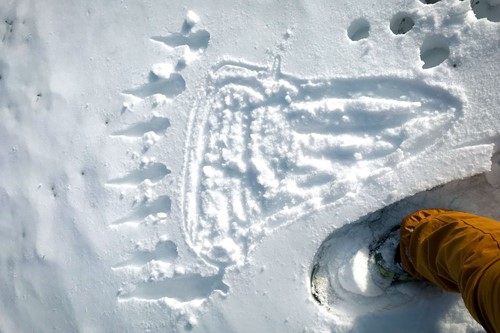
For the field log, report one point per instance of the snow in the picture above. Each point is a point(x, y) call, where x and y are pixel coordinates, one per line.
point(184, 166)
point(192, 18)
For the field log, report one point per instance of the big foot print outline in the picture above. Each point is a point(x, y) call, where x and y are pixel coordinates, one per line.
point(344, 282)
point(267, 147)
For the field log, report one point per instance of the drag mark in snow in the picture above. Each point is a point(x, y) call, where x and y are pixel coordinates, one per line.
point(182, 288)
point(149, 212)
point(165, 250)
point(154, 172)
point(194, 40)
point(169, 87)
point(265, 148)
point(158, 125)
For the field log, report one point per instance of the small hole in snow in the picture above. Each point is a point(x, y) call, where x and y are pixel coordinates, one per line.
point(359, 29)
point(401, 23)
point(429, 2)
point(434, 51)
point(489, 9)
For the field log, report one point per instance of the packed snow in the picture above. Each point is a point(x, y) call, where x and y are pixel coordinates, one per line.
point(186, 166)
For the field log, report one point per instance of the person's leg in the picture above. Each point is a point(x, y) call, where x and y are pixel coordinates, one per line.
point(488, 298)
point(459, 252)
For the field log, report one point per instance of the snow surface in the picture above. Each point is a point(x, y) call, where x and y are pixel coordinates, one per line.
point(176, 167)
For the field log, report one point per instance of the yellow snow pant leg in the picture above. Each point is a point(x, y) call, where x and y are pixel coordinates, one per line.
point(459, 252)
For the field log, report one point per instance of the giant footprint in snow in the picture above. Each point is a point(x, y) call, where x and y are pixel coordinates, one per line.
point(265, 148)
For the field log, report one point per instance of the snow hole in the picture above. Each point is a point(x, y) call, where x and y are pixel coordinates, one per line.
point(359, 29)
point(429, 2)
point(401, 23)
point(434, 51)
point(489, 9)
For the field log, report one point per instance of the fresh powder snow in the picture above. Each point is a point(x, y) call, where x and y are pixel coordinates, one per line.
point(211, 166)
